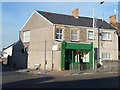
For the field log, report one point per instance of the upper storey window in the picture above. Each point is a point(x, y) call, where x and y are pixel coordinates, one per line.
point(58, 33)
point(26, 36)
point(74, 35)
point(106, 36)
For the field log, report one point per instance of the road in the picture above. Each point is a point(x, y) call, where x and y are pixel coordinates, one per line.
point(13, 79)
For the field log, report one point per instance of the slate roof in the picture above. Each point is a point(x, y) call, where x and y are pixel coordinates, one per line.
point(71, 20)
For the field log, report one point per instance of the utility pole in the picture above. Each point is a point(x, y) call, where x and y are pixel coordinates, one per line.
point(94, 23)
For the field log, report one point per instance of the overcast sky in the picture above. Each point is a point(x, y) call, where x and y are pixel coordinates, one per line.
point(15, 14)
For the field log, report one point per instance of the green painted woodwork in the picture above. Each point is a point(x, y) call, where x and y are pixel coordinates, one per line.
point(63, 55)
point(78, 46)
point(78, 66)
point(91, 56)
point(65, 46)
point(72, 56)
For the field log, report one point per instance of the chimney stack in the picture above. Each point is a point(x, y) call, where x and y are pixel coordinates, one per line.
point(112, 19)
point(75, 12)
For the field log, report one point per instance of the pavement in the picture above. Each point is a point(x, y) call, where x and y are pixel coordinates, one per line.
point(62, 73)
point(56, 73)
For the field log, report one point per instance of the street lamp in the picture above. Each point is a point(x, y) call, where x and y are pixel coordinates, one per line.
point(94, 67)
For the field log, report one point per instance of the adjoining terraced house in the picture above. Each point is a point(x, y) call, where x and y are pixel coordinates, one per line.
point(54, 41)
point(116, 24)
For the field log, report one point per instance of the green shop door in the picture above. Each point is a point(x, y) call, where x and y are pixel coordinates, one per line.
point(68, 58)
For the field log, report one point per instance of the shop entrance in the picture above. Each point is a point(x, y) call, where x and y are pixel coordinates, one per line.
point(76, 54)
point(75, 57)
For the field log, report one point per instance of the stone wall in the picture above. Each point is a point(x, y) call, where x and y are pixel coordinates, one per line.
point(111, 65)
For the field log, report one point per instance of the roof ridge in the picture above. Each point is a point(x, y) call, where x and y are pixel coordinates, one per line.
point(64, 14)
point(53, 13)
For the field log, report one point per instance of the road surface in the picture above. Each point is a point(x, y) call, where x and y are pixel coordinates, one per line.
point(13, 79)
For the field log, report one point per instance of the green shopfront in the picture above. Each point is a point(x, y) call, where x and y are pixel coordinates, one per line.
point(76, 53)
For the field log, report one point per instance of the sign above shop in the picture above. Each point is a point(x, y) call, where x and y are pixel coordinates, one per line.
point(55, 47)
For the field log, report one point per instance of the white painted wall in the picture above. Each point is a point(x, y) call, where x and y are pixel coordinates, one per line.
point(7, 52)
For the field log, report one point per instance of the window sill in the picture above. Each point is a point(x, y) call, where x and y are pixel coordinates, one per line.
point(107, 40)
point(74, 40)
point(91, 39)
point(106, 59)
point(58, 39)
point(26, 42)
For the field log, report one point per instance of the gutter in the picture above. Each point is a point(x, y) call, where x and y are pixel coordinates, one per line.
point(81, 27)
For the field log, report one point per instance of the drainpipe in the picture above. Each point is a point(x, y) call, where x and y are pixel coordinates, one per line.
point(45, 58)
point(52, 49)
point(98, 51)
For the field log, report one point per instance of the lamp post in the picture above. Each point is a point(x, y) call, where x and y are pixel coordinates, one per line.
point(94, 65)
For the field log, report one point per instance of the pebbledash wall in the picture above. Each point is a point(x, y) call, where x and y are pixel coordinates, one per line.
point(41, 31)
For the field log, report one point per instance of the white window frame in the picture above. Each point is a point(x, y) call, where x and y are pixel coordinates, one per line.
point(89, 35)
point(107, 56)
point(26, 36)
point(74, 35)
point(58, 33)
point(108, 36)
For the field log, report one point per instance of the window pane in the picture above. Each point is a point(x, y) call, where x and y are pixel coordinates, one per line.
point(106, 56)
point(75, 31)
point(60, 30)
point(106, 36)
point(109, 36)
point(90, 35)
point(73, 38)
point(26, 36)
point(57, 30)
point(58, 33)
point(57, 36)
point(60, 36)
point(74, 34)
point(103, 56)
